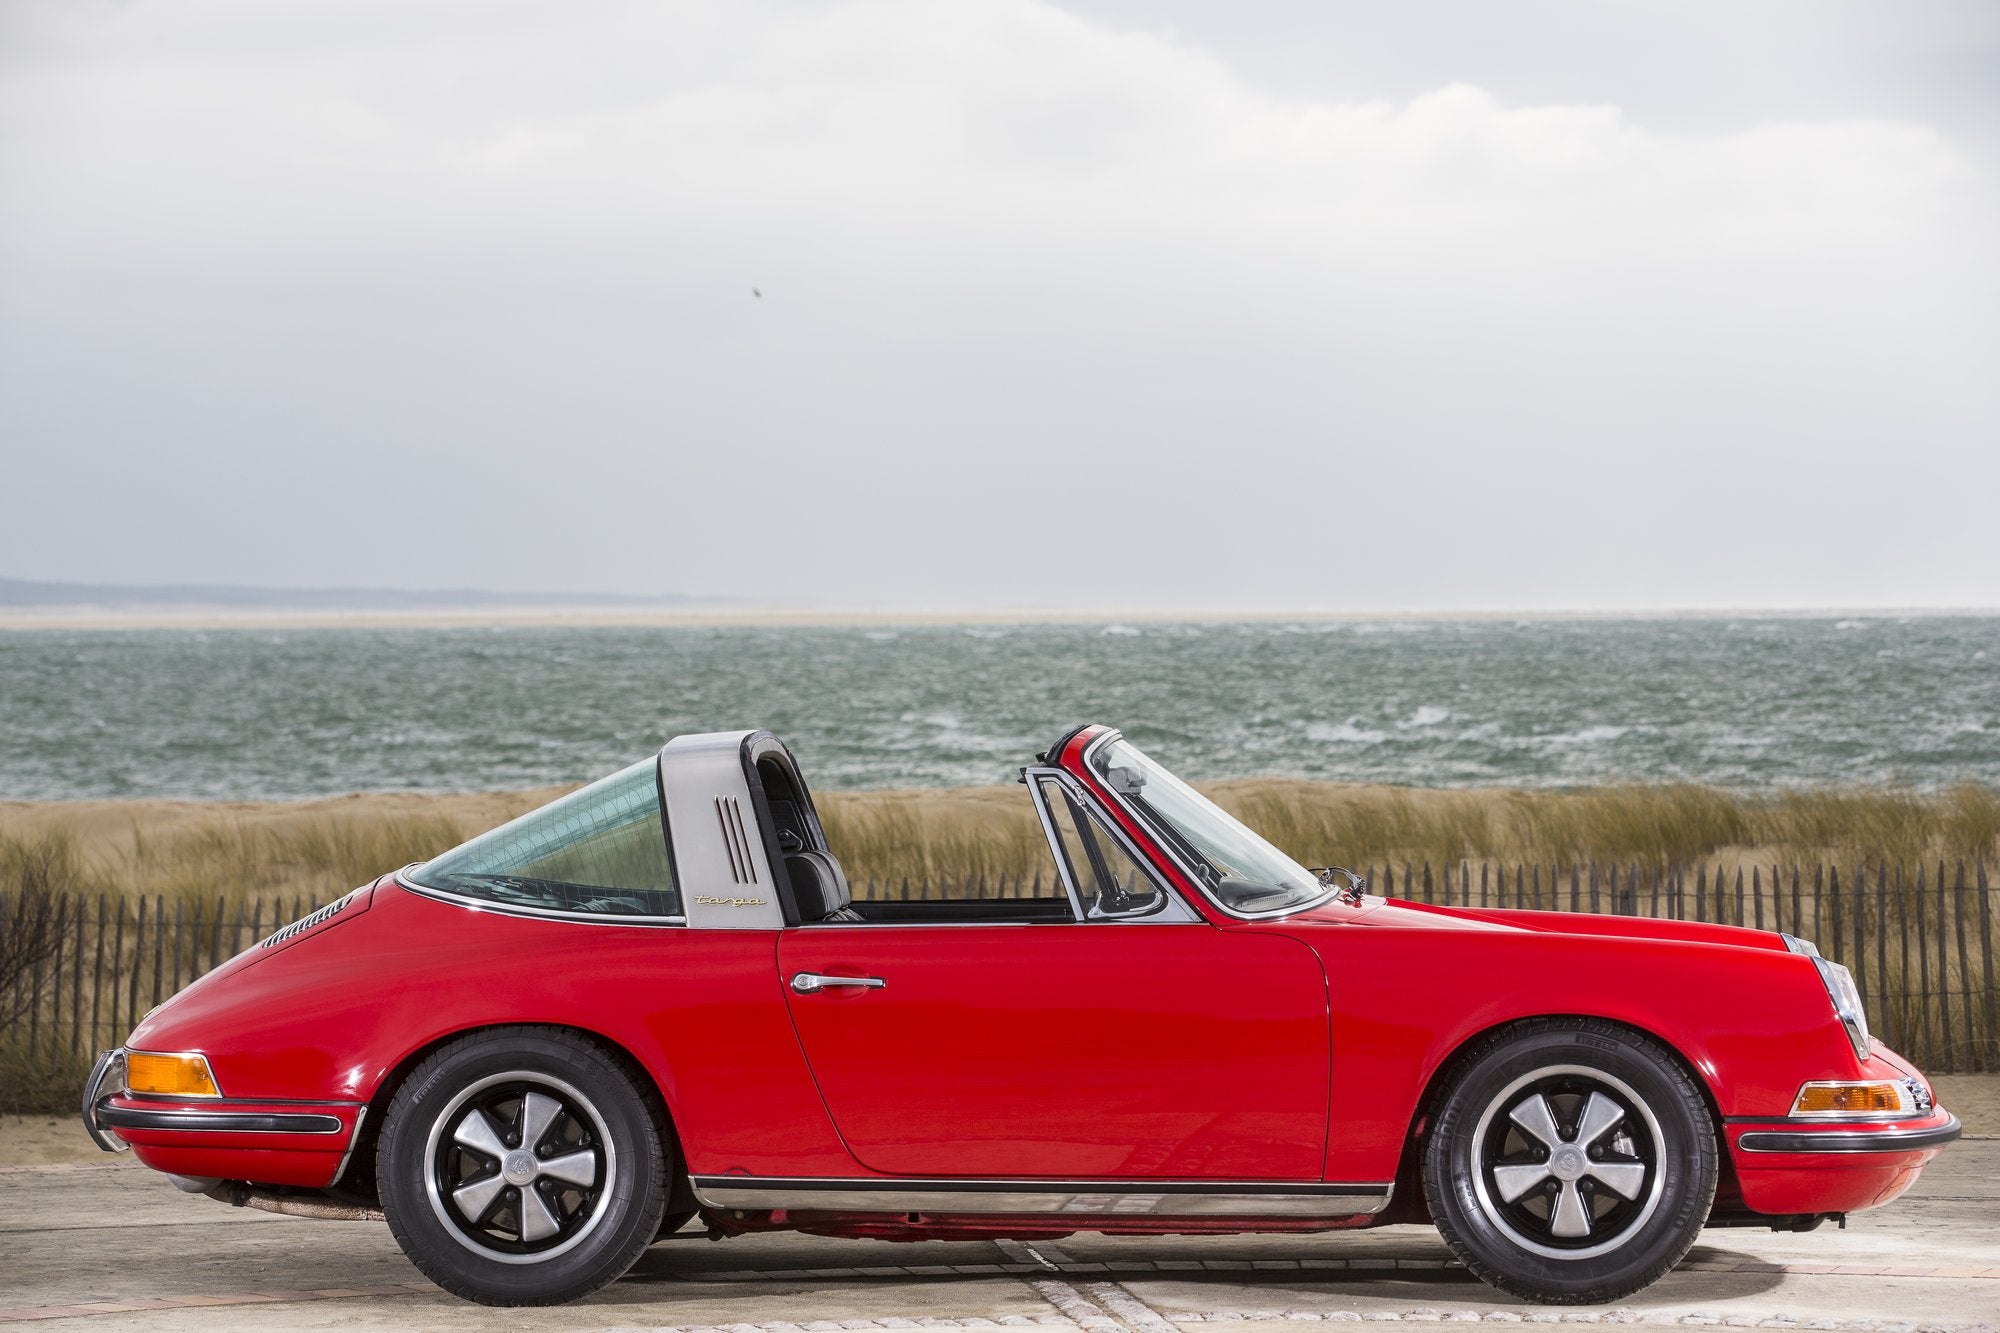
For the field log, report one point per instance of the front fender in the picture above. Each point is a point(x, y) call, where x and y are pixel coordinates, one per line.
point(1750, 1023)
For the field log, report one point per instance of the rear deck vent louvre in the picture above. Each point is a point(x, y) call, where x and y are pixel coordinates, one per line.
point(304, 923)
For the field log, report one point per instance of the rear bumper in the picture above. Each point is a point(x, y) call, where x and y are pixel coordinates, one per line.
point(108, 1069)
point(276, 1143)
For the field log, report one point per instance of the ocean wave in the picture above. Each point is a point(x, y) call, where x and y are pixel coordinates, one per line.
point(1596, 735)
point(1344, 733)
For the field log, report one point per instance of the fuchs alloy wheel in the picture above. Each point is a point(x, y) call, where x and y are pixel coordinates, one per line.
point(523, 1166)
point(1572, 1161)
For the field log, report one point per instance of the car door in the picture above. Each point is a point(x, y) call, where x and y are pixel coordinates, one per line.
point(1133, 1040)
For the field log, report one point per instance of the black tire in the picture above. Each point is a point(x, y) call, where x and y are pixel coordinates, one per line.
point(675, 1220)
point(572, 1191)
point(1572, 1161)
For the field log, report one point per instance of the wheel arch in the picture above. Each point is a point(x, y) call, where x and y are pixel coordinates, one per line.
point(1408, 1194)
point(357, 1176)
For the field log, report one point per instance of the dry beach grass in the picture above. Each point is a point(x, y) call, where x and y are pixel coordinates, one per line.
point(130, 899)
point(321, 848)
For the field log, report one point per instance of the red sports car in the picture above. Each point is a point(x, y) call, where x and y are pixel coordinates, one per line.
point(654, 998)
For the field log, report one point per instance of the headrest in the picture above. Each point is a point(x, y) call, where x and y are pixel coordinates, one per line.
point(818, 884)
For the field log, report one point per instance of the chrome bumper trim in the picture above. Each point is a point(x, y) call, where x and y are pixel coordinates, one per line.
point(216, 1122)
point(1851, 1140)
point(348, 1156)
point(1119, 1198)
point(99, 1071)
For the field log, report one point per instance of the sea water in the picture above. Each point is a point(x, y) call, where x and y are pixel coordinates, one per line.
point(247, 714)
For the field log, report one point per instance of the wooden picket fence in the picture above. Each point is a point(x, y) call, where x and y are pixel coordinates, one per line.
point(1919, 940)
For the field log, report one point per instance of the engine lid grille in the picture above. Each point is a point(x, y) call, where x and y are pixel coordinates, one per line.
point(306, 923)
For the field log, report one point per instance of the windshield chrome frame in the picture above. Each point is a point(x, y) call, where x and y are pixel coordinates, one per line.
point(1167, 847)
point(1170, 911)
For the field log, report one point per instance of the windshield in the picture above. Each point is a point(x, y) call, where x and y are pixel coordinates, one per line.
point(1244, 872)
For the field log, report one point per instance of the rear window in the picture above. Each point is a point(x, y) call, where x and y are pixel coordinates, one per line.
point(600, 851)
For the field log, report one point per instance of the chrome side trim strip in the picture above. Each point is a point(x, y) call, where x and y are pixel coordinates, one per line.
point(1852, 1140)
point(402, 881)
point(1123, 1198)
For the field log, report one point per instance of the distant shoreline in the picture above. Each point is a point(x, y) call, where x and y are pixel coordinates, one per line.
point(709, 617)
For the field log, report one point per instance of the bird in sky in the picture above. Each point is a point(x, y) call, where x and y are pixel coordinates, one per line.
point(756, 293)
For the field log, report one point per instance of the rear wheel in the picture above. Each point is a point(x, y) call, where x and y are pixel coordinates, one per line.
point(675, 1220)
point(1572, 1162)
point(522, 1166)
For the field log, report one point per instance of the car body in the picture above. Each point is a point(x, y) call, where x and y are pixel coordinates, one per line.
point(653, 998)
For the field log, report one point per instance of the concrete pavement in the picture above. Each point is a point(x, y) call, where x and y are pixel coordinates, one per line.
point(109, 1246)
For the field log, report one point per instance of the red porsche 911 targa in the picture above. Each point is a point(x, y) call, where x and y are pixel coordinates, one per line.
point(654, 999)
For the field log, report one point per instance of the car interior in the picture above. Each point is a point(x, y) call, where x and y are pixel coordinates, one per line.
point(820, 886)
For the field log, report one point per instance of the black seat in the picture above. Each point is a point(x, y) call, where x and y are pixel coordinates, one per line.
point(820, 888)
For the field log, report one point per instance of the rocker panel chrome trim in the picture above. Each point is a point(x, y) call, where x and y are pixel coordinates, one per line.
point(1121, 1198)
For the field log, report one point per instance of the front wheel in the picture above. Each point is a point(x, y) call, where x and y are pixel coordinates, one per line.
point(1572, 1162)
point(522, 1166)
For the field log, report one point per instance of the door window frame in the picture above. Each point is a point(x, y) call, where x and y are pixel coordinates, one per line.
point(1171, 909)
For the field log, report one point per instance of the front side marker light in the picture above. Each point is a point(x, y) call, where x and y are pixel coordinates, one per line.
point(169, 1075)
point(1876, 1098)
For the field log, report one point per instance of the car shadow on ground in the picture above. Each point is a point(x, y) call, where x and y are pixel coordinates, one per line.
point(720, 1268)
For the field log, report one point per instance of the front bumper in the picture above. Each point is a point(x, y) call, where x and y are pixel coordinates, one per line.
point(1800, 1165)
point(277, 1143)
point(1794, 1167)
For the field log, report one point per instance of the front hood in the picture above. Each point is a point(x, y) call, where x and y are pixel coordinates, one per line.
point(1398, 912)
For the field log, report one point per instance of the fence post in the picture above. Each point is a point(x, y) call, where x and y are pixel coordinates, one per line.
point(117, 963)
point(1964, 970)
point(1881, 933)
point(76, 982)
point(215, 935)
point(138, 962)
point(35, 995)
point(97, 976)
point(1942, 994)
point(1986, 959)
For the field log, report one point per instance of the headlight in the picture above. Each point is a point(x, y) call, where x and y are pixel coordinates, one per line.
point(169, 1075)
point(1841, 990)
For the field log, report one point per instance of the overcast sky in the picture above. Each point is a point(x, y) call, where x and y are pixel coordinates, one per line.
point(1116, 302)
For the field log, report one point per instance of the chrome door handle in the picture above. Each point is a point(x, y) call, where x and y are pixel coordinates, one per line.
point(806, 983)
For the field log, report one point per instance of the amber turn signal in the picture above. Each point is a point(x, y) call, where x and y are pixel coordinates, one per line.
point(169, 1075)
point(1853, 1099)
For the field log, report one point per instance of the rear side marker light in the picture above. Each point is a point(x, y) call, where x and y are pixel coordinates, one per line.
point(169, 1075)
point(1854, 1100)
